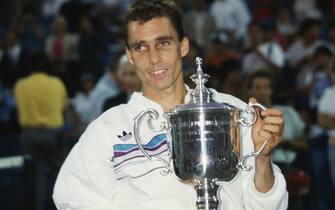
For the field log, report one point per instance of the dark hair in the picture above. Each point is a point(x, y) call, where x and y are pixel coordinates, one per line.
point(309, 23)
point(111, 65)
point(145, 10)
point(40, 62)
point(260, 74)
point(323, 50)
point(227, 67)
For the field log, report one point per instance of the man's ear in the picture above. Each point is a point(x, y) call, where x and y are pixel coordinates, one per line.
point(129, 56)
point(184, 46)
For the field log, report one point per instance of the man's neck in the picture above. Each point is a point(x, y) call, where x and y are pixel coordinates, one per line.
point(168, 98)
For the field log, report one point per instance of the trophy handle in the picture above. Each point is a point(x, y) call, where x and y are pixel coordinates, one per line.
point(153, 114)
point(242, 164)
point(250, 109)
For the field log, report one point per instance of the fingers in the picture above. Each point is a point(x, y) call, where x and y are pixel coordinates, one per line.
point(264, 134)
point(252, 100)
point(273, 129)
point(273, 139)
point(273, 120)
point(273, 124)
point(272, 112)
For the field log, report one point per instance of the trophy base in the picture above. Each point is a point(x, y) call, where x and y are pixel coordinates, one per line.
point(206, 194)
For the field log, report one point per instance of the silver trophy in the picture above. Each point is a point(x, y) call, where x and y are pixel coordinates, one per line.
point(203, 140)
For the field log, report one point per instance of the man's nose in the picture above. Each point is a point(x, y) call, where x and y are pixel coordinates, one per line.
point(154, 56)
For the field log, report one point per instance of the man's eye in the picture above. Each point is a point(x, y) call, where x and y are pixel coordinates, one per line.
point(139, 47)
point(164, 43)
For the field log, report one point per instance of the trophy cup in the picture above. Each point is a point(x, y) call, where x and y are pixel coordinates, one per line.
point(203, 140)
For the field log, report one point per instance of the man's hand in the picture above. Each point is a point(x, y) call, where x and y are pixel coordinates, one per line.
point(268, 127)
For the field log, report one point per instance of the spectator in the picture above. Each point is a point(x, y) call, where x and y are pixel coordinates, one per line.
point(73, 11)
point(318, 77)
point(41, 101)
point(285, 24)
point(265, 52)
point(231, 19)
point(8, 122)
point(230, 78)
point(326, 118)
point(306, 9)
point(263, 10)
point(106, 87)
point(62, 48)
point(90, 48)
point(60, 45)
point(260, 86)
point(300, 51)
point(82, 102)
point(199, 25)
point(218, 53)
point(128, 82)
point(31, 34)
point(291, 154)
point(13, 60)
point(51, 8)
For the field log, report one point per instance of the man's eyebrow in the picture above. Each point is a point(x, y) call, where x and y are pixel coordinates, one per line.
point(164, 38)
point(137, 43)
point(140, 42)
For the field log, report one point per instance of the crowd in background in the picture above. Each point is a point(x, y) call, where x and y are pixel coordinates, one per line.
point(69, 56)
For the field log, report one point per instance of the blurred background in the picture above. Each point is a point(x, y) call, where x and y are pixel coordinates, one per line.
point(62, 64)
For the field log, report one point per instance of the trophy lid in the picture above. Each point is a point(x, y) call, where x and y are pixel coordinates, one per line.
point(201, 97)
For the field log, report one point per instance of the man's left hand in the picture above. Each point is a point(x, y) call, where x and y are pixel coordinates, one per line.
point(268, 127)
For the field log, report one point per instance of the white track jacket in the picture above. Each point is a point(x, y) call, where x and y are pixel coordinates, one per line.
point(106, 171)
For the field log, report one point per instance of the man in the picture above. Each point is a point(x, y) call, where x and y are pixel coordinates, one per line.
point(13, 60)
point(128, 82)
point(41, 100)
point(260, 86)
point(199, 25)
point(105, 87)
point(231, 18)
point(107, 171)
point(317, 77)
point(326, 119)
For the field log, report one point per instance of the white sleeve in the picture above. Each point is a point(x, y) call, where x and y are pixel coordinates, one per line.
point(243, 19)
point(276, 198)
point(86, 180)
point(325, 102)
point(293, 55)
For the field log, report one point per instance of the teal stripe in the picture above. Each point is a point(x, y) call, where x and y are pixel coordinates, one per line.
point(154, 141)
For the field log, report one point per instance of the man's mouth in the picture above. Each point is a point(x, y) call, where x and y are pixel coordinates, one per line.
point(157, 72)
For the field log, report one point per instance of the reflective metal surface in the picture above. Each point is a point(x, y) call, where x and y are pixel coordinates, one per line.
point(203, 139)
point(205, 144)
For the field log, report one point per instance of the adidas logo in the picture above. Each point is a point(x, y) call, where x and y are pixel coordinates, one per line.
point(125, 136)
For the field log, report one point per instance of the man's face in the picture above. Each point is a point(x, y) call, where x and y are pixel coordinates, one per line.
point(322, 60)
point(155, 50)
point(10, 39)
point(314, 32)
point(255, 34)
point(261, 90)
